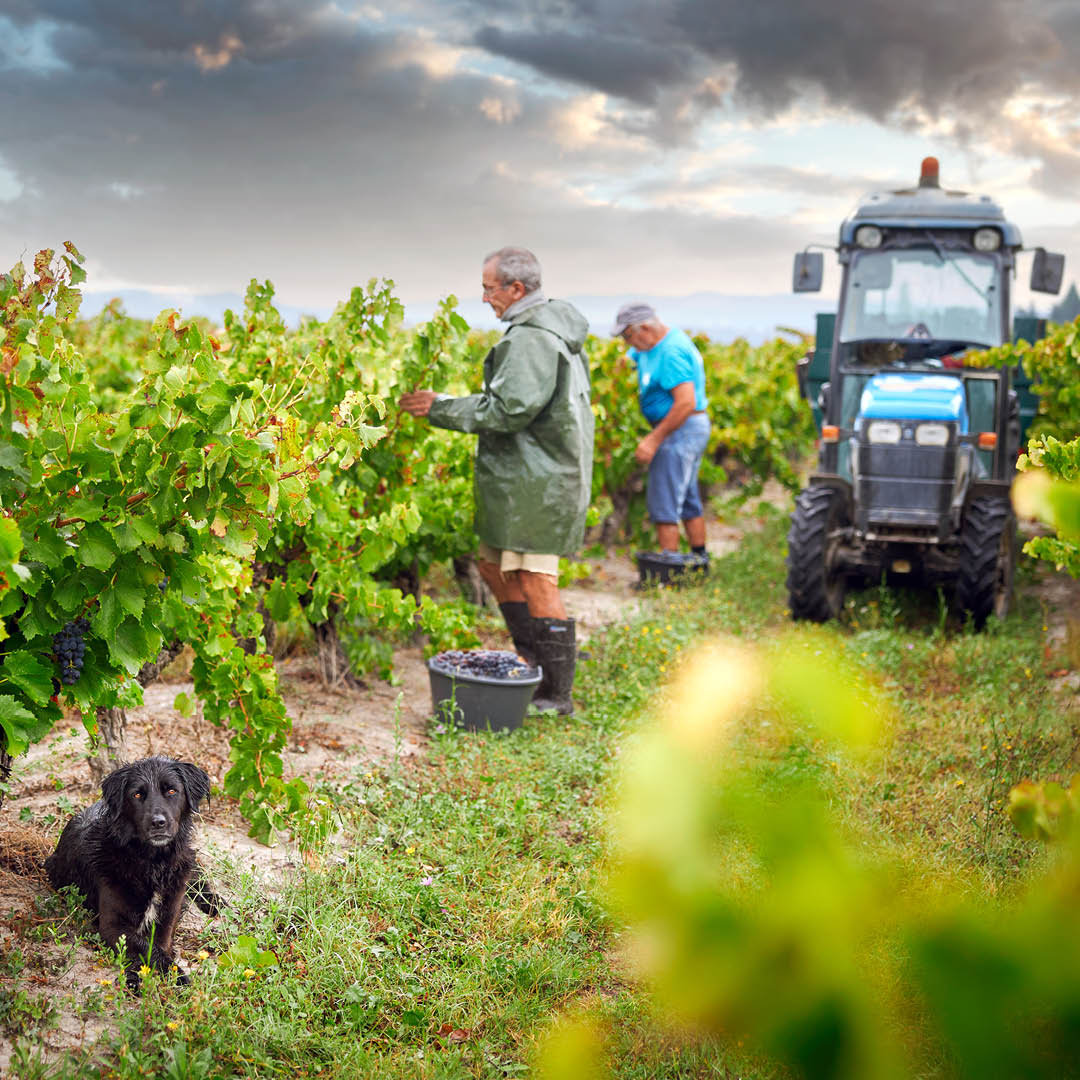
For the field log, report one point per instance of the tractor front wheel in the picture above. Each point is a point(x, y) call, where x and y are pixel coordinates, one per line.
point(984, 582)
point(815, 578)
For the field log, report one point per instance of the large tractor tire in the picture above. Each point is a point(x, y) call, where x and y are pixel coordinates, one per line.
point(816, 580)
point(984, 582)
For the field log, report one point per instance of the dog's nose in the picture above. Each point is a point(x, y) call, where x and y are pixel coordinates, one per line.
point(159, 821)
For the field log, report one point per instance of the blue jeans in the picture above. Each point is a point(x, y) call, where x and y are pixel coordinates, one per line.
point(673, 494)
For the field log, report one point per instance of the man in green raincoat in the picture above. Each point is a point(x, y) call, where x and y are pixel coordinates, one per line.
point(533, 479)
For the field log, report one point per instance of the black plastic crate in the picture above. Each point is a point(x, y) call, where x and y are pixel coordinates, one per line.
point(669, 567)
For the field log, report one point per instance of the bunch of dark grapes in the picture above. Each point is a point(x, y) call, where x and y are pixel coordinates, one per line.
point(70, 649)
point(484, 663)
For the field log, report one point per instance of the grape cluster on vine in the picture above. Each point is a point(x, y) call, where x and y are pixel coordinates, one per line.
point(485, 663)
point(70, 649)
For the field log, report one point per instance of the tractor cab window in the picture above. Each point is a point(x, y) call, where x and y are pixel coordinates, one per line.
point(923, 294)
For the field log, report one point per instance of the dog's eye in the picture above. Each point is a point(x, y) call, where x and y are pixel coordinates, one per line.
point(136, 794)
point(171, 791)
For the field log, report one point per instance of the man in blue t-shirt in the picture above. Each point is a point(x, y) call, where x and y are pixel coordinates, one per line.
point(671, 389)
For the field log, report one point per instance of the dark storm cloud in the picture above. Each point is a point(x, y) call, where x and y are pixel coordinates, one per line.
point(873, 57)
point(167, 27)
point(899, 63)
point(879, 54)
point(626, 66)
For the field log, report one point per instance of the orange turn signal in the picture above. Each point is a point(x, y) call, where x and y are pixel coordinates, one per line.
point(987, 440)
point(830, 433)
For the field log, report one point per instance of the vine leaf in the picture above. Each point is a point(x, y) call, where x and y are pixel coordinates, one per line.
point(20, 726)
point(30, 675)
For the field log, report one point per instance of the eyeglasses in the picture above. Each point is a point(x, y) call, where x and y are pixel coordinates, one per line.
point(487, 290)
point(628, 332)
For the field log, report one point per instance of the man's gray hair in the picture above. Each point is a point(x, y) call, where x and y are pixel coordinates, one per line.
point(516, 264)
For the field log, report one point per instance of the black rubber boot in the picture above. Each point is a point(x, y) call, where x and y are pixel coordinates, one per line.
point(519, 622)
point(557, 655)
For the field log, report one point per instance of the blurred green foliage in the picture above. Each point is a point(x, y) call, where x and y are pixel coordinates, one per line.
point(755, 914)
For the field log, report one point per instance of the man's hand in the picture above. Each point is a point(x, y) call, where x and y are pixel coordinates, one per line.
point(418, 403)
point(682, 405)
point(646, 449)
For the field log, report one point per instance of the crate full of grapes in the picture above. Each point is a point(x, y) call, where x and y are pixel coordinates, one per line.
point(479, 689)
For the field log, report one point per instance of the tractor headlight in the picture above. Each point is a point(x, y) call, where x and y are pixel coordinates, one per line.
point(932, 435)
point(883, 431)
point(868, 236)
point(986, 239)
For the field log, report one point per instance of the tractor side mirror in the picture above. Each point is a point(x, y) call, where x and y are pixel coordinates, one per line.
point(809, 270)
point(802, 367)
point(1047, 271)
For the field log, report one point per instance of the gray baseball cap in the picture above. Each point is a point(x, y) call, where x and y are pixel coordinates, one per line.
point(637, 311)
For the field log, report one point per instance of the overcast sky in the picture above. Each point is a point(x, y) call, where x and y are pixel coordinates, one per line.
point(660, 147)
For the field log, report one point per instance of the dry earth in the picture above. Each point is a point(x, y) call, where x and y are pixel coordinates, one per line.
point(336, 733)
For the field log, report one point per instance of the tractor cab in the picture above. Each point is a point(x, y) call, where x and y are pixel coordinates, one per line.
point(910, 436)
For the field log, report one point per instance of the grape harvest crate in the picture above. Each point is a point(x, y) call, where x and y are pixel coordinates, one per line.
point(669, 567)
point(477, 701)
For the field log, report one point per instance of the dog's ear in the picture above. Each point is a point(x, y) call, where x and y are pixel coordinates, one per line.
point(113, 790)
point(196, 784)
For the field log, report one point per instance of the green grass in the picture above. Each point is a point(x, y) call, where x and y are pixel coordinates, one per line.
point(459, 909)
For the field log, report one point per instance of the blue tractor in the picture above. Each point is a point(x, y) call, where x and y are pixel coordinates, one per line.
point(917, 450)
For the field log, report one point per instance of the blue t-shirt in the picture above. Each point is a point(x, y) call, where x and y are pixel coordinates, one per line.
point(672, 360)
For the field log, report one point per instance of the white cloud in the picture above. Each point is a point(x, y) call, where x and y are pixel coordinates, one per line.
point(582, 121)
point(215, 57)
point(500, 110)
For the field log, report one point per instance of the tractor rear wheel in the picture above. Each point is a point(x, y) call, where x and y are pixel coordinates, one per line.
point(984, 582)
point(816, 580)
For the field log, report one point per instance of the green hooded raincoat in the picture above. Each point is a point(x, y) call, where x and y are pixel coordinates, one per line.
point(535, 425)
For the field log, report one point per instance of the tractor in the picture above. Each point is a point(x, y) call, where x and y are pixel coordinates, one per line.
point(917, 449)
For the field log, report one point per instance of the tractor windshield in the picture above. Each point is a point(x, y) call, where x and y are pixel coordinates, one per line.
point(923, 294)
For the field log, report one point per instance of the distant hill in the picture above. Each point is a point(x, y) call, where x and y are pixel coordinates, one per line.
point(722, 316)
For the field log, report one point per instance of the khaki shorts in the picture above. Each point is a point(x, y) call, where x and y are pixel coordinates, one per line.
point(508, 561)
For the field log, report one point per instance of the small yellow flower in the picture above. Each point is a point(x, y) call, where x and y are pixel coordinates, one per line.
point(202, 954)
point(960, 782)
point(172, 1025)
point(104, 982)
point(410, 850)
point(144, 971)
point(249, 973)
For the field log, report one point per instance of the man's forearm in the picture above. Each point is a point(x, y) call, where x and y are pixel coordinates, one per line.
point(674, 420)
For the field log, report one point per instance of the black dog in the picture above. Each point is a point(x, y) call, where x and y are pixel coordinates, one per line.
point(130, 854)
